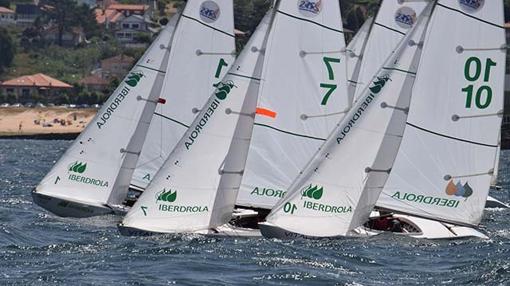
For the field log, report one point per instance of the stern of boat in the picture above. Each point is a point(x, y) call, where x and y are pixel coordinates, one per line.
point(66, 208)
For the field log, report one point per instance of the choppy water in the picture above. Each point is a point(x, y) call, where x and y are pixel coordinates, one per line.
point(38, 248)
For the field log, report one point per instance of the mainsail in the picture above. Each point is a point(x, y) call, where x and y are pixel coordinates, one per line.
point(82, 180)
point(196, 188)
point(302, 97)
point(392, 22)
point(446, 160)
point(202, 49)
point(342, 182)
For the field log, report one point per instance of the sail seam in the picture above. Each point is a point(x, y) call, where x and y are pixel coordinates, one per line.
point(149, 68)
point(391, 29)
point(400, 70)
point(244, 76)
point(470, 16)
point(200, 22)
point(450, 137)
point(171, 119)
point(309, 21)
point(289, 133)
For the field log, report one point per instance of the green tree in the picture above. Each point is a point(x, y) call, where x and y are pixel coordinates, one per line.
point(5, 3)
point(7, 49)
point(66, 14)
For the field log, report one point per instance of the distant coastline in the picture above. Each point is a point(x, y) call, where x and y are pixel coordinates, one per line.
point(45, 123)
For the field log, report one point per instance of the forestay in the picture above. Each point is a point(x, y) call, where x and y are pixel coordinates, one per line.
point(303, 95)
point(196, 188)
point(87, 171)
point(393, 21)
point(341, 184)
point(444, 166)
point(202, 49)
point(354, 55)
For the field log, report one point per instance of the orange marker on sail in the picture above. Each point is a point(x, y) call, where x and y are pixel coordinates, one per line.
point(265, 112)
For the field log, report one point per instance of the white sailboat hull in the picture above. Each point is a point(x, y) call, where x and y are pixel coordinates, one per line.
point(494, 203)
point(69, 208)
point(427, 229)
point(226, 230)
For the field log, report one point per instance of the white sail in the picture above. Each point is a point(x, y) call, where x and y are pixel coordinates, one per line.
point(392, 22)
point(86, 173)
point(354, 55)
point(303, 96)
point(494, 179)
point(341, 184)
point(202, 49)
point(196, 188)
point(446, 160)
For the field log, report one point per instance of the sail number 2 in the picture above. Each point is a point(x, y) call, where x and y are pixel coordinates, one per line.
point(472, 72)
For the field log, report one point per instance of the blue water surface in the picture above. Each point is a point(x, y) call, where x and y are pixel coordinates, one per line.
point(38, 248)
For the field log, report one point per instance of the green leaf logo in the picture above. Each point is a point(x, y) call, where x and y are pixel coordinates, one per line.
point(313, 192)
point(78, 167)
point(133, 79)
point(223, 89)
point(379, 84)
point(167, 196)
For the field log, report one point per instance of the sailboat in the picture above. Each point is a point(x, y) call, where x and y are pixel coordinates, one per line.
point(340, 185)
point(93, 176)
point(441, 176)
point(303, 96)
point(354, 55)
point(196, 188)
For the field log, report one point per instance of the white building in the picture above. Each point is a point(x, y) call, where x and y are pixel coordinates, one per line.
point(7, 17)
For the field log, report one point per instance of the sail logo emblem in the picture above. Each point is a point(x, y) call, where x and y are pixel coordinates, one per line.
point(313, 192)
point(471, 5)
point(209, 11)
point(78, 167)
point(133, 78)
point(166, 196)
point(379, 84)
point(405, 17)
point(223, 89)
point(310, 8)
point(458, 189)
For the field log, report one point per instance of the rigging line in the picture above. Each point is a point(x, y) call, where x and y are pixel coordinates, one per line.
point(391, 29)
point(450, 137)
point(200, 22)
point(152, 69)
point(289, 133)
point(470, 16)
point(244, 76)
point(138, 187)
point(400, 70)
point(309, 21)
point(171, 119)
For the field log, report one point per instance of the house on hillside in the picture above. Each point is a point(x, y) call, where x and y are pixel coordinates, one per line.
point(29, 87)
point(129, 29)
point(26, 14)
point(95, 83)
point(7, 17)
point(116, 67)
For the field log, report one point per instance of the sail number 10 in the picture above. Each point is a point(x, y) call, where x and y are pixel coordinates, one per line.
point(480, 96)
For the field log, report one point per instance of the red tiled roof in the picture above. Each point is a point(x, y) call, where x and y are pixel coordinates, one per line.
point(5, 10)
point(37, 80)
point(93, 80)
point(128, 7)
point(103, 15)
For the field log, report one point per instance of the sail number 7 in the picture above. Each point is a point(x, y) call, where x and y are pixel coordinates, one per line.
point(330, 87)
point(482, 96)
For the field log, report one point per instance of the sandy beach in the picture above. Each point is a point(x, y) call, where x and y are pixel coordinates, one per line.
point(15, 121)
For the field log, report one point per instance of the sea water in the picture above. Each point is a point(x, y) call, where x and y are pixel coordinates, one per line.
point(39, 248)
